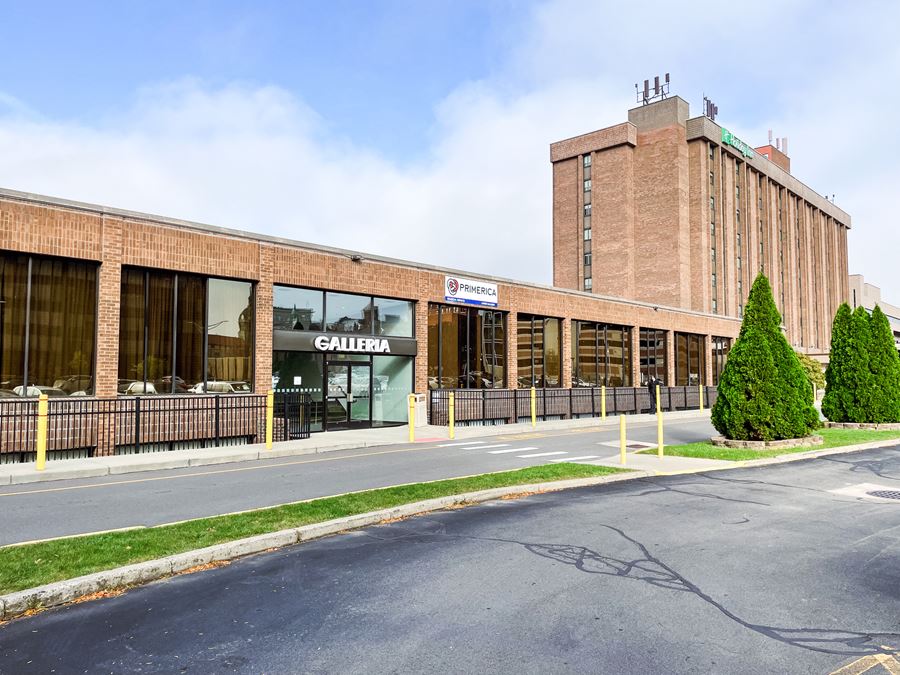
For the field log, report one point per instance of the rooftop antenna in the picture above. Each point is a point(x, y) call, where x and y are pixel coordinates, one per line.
point(710, 109)
point(660, 90)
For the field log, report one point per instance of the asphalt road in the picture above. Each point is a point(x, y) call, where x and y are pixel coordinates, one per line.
point(61, 508)
point(744, 571)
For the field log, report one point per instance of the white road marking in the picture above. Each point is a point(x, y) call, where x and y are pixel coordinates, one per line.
point(503, 452)
point(543, 454)
point(453, 445)
point(498, 445)
point(575, 459)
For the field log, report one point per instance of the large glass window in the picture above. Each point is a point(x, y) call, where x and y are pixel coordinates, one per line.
point(690, 360)
point(720, 348)
point(601, 355)
point(652, 354)
point(303, 372)
point(346, 313)
point(393, 317)
point(181, 333)
point(48, 315)
point(297, 308)
point(230, 336)
point(466, 348)
point(539, 351)
point(392, 380)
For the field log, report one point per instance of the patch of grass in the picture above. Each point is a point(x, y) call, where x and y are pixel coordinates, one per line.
point(36, 564)
point(834, 438)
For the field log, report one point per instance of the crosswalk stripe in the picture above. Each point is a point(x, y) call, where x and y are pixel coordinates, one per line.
point(498, 445)
point(575, 459)
point(453, 445)
point(503, 452)
point(543, 454)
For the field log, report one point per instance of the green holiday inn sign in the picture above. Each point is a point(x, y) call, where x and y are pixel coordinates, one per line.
point(729, 138)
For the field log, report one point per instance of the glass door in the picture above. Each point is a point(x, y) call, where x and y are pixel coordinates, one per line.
point(349, 395)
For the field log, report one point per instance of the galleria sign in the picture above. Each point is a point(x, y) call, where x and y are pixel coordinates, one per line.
point(352, 344)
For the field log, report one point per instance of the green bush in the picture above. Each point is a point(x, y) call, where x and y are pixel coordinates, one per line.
point(813, 370)
point(764, 393)
point(838, 397)
point(884, 366)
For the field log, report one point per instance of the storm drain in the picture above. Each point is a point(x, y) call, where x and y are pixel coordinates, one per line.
point(885, 494)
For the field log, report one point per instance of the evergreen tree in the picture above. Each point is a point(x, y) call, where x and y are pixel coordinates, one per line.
point(857, 376)
point(838, 397)
point(884, 365)
point(764, 393)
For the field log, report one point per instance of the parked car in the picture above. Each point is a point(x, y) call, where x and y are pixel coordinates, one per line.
point(37, 390)
point(72, 384)
point(220, 387)
point(136, 388)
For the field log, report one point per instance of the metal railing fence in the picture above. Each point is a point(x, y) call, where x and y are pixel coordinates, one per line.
point(87, 427)
point(507, 406)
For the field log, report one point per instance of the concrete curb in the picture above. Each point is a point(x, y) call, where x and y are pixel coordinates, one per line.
point(62, 592)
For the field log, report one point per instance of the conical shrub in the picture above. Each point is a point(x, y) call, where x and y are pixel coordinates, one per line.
point(884, 366)
point(763, 393)
point(838, 399)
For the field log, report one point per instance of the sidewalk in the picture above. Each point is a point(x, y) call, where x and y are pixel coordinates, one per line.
point(16, 474)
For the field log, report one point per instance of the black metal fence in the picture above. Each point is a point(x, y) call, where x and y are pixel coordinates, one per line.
point(507, 406)
point(88, 427)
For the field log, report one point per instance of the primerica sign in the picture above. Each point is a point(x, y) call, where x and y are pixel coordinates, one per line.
point(334, 343)
point(729, 138)
point(469, 292)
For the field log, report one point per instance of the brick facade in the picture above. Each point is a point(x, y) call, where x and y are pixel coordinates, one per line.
point(116, 239)
point(652, 218)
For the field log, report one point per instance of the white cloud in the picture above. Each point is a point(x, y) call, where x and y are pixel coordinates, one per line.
point(258, 158)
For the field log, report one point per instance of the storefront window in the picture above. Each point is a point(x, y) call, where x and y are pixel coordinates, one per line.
point(720, 348)
point(470, 348)
point(652, 354)
point(538, 355)
point(603, 355)
point(393, 317)
point(230, 333)
point(48, 317)
point(302, 371)
point(690, 361)
point(345, 313)
point(391, 383)
point(297, 308)
point(182, 333)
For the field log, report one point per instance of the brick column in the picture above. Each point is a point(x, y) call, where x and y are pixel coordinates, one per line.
point(262, 351)
point(707, 351)
point(421, 362)
point(636, 356)
point(110, 290)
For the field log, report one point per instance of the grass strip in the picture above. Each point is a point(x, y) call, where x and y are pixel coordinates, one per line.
point(41, 563)
point(834, 438)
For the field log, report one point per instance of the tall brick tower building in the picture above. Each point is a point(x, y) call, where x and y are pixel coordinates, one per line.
point(677, 211)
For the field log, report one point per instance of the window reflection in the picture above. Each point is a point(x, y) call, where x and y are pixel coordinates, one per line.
point(602, 355)
point(652, 354)
point(690, 361)
point(538, 358)
point(346, 313)
point(59, 332)
point(467, 348)
point(297, 308)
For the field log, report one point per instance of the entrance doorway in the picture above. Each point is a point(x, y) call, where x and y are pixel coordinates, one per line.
point(348, 402)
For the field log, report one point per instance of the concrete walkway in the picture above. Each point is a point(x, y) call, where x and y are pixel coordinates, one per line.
point(16, 474)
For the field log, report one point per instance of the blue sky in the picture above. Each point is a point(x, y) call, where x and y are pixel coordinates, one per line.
point(421, 129)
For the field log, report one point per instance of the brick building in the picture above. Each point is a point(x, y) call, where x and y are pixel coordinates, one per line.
point(675, 210)
point(102, 302)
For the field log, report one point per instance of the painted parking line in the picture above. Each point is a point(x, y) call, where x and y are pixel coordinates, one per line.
point(576, 459)
point(498, 445)
point(454, 445)
point(543, 454)
point(503, 452)
point(867, 663)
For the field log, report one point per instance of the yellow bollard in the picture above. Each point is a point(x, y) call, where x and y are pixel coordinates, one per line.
point(700, 387)
point(602, 402)
point(659, 426)
point(41, 462)
point(622, 438)
point(533, 408)
point(270, 417)
point(452, 416)
point(412, 418)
